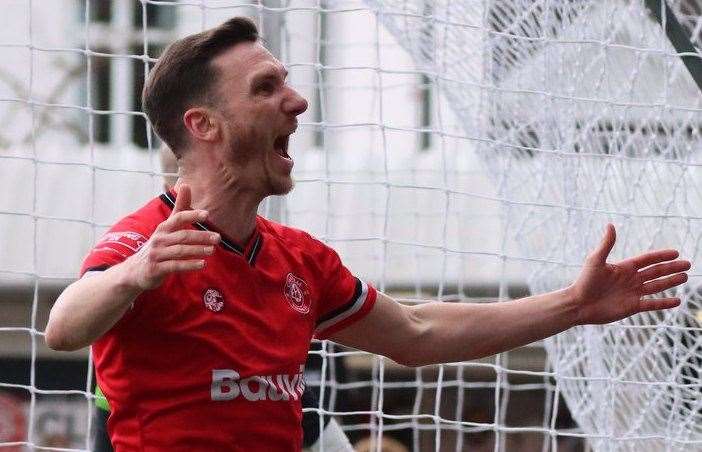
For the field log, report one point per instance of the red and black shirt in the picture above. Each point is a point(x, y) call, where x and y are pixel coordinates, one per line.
point(213, 359)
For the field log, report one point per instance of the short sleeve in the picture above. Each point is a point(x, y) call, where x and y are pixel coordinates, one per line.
point(345, 298)
point(124, 239)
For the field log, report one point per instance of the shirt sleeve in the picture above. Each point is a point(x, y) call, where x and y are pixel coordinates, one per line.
point(122, 240)
point(345, 298)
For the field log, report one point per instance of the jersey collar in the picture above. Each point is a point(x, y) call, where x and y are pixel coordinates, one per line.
point(248, 252)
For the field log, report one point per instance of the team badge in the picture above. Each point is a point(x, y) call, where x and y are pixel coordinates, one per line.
point(214, 300)
point(297, 293)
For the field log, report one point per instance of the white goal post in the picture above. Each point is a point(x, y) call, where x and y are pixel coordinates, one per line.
point(453, 151)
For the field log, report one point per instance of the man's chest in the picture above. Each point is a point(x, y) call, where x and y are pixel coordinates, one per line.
point(238, 316)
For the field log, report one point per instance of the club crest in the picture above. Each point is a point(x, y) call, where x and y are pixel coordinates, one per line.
point(297, 293)
point(214, 300)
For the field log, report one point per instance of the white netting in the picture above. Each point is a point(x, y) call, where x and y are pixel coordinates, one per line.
point(453, 150)
point(586, 114)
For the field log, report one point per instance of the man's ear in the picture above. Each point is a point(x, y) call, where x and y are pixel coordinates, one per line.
point(201, 124)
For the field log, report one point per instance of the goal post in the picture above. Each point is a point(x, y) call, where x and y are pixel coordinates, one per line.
point(453, 151)
point(678, 37)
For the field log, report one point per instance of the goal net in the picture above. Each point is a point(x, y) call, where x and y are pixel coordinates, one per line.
point(453, 151)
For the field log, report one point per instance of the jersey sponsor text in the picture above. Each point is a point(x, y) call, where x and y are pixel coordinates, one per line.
point(227, 385)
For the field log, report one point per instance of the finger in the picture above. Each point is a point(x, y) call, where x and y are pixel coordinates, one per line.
point(665, 269)
point(650, 258)
point(659, 285)
point(180, 266)
point(182, 199)
point(654, 304)
point(183, 252)
point(182, 219)
point(605, 247)
point(190, 237)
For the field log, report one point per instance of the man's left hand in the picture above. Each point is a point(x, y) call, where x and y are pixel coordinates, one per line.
point(606, 292)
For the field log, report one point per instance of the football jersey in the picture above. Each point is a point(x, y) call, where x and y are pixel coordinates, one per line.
point(212, 360)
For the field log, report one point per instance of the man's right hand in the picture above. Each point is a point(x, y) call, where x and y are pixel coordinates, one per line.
point(89, 307)
point(173, 247)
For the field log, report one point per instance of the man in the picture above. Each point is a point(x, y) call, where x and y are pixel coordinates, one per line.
point(331, 439)
point(200, 313)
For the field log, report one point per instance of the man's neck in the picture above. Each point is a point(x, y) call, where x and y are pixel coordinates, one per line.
point(232, 211)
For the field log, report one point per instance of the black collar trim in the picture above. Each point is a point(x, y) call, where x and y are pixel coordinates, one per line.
point(255, 249)
point(169, 200)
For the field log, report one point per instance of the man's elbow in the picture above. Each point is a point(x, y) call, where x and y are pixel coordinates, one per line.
point(56, 338)
point(411, 357)
point(409, 361)
point(414, 347)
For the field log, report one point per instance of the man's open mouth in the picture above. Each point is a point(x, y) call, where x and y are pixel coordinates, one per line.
point(281, 145)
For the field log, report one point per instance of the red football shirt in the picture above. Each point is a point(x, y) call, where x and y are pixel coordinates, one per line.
point(212, 360)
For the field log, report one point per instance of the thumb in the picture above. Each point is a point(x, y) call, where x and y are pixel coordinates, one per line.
point(605, 247)
point(182, 199)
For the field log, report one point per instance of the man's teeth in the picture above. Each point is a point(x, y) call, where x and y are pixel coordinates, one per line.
point(281, 145)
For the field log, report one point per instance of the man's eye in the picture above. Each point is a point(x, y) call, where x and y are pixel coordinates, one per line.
point(265, 88)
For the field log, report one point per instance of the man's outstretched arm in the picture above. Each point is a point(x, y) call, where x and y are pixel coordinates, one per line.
point(448, 332)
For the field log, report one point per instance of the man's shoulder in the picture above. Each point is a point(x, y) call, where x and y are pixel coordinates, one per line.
point(125, 237)
point(134, 229)
point(145, 219)
point(292, 237)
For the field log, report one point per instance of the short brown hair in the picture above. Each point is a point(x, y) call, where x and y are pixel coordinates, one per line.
point(183, 76)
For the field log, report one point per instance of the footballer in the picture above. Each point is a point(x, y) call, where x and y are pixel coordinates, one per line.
point(328, 436)
point(201, 313)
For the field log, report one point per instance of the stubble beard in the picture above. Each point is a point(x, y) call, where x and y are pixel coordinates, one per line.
point(244, 151)
point(279, 187)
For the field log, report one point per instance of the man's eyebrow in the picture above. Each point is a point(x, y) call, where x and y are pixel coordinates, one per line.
point(267, 74)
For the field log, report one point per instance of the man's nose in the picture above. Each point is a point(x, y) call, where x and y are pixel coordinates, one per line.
point(294, 104)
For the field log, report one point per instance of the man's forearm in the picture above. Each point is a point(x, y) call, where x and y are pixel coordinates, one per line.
point(88, 308)
point(464, 331)
point(448, 332)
